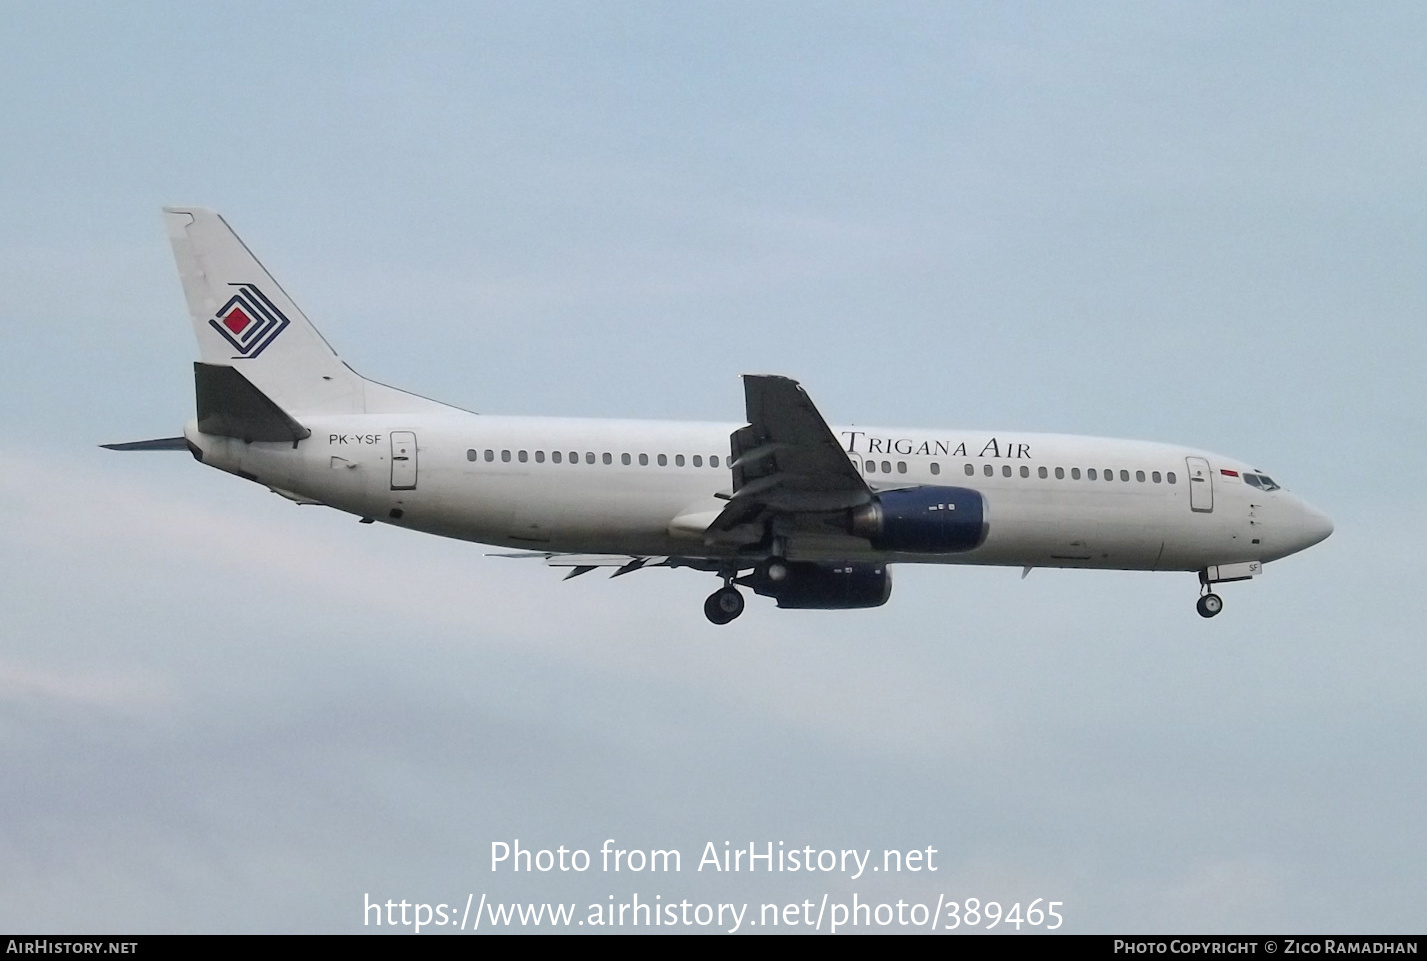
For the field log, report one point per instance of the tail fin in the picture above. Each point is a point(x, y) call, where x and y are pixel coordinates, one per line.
point(245, 321)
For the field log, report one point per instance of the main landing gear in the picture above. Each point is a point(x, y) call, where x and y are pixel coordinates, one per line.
point(724, 604)
point(1209, 605)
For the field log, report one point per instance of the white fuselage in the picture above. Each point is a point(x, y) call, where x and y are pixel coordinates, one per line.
point(648, 488)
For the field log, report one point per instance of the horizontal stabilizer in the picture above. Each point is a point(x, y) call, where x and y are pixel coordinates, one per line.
point(162, 443)
point(230, 406)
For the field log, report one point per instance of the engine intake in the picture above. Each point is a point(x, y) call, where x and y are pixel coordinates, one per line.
point(923, 520)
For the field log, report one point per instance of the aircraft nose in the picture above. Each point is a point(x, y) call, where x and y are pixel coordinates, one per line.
point(1313, 526)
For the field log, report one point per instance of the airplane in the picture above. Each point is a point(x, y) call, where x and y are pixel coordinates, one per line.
point(809, 514)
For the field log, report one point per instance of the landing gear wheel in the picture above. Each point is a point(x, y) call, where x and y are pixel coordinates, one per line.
point(1209, 605)
point(723, 605)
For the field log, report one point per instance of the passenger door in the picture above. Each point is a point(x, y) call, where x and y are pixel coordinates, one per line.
point(403, 460)
point(1201, 485)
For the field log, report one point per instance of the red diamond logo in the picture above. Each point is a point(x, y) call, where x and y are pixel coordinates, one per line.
point(236, 321)
point(248, 321)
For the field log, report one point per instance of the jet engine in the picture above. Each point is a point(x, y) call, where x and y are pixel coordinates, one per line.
point(923, 520)
point(813, 585)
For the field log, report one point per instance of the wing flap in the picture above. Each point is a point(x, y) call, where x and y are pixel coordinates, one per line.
point(787, 460)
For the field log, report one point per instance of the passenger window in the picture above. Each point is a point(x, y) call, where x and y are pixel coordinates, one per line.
point(1154, 476)
point(470, 455)
point(540, 457)
point(901, 467)
point(1025, 471)
point(1109, 475)
point(1090, 474)
point(871, 467)
point(1140, 476)
point(970, 470)
point(989, 471)
point(678, 460)
point(886, 467)
point(624, 459)
point(1060, 473)
point(523, 456)
point(1006, 470)
point(936, 468)
point(505, 456)
point(1169, 477)
point(490, 456)
point(663, 460)
point(608, 458)
point(1042, 473)
point(589, 457)
point(643, 460)
point(555, 456)
point(1125, 475)
point(574, 457)
point(713, 461)
point(1075, 473)
point(698, 460)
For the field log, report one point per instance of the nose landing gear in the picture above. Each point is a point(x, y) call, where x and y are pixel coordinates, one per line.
point(1209, 605)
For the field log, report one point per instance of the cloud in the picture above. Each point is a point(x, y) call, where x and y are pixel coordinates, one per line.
point(113, 691)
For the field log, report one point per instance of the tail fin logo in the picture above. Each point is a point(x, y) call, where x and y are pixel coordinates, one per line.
point(249, 321)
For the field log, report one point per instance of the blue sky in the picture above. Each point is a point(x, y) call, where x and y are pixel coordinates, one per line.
point(1197, 223)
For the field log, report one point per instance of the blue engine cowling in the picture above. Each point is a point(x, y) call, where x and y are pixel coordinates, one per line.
point(923, 520)
point(810, 585)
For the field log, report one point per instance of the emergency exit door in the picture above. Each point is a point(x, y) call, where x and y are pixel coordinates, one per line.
point(1201, 485)
point(403, 460)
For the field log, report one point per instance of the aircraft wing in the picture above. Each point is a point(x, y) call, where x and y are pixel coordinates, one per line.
point(623, 563)
point(787, 460)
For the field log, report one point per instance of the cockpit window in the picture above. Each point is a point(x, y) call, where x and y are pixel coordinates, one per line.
point(1261, 481)
point(1252, 480)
